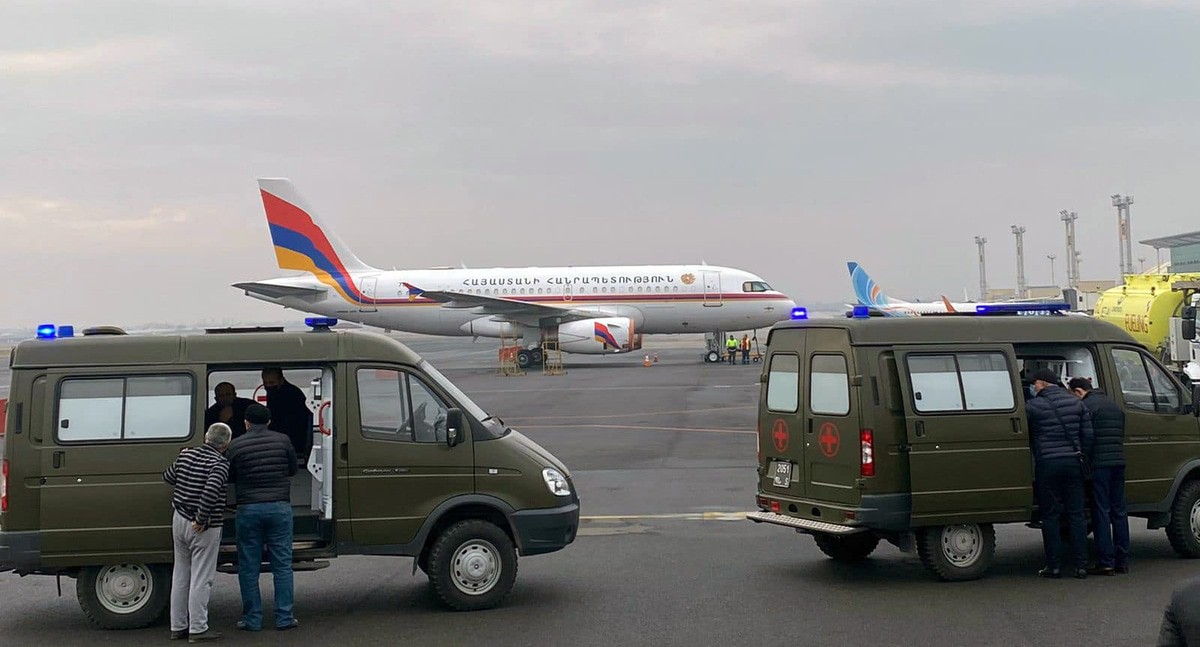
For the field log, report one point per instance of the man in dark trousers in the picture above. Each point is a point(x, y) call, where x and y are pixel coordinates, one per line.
point(1110, 520)
point(1061, 430)
point(1181, 619)
point(227, 409)
point(261, 465)
point(290, 414)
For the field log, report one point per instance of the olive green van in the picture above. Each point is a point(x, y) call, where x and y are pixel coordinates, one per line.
point(403, 464)
point(913, 430)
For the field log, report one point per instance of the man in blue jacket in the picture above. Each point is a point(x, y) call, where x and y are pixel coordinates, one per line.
point(1061, 431)
point(1110, 520)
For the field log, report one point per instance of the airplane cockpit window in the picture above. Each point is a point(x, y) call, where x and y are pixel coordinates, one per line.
point(755, 286)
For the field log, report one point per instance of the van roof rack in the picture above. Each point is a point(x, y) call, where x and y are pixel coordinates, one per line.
point(234, 330)
point(103, 330)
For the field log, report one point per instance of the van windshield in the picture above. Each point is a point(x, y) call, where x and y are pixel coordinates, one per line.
point(461, 398)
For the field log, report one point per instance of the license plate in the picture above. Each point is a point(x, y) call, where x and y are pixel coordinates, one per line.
point(781, 473)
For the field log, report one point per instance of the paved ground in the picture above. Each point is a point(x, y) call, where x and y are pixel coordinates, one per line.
point(662, 456)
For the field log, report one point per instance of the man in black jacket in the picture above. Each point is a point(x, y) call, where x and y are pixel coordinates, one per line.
point(262, 464)
point(1110, 521)
point(290, 414)
point(1061, 431)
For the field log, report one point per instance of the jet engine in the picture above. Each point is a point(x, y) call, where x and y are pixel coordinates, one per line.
point(599, 336)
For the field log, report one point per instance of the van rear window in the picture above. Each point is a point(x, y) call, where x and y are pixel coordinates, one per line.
point(150, 407)
point(829, 386)
point(783, 383)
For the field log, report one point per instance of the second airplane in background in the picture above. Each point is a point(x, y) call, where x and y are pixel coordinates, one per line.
point(869, 294)
point(590, 310)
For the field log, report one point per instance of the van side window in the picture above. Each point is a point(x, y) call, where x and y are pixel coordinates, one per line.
point(960, 382)
point(783, 383)
point(829, 386)
point(394, 405)
point(1143, 384)
point(154, 407)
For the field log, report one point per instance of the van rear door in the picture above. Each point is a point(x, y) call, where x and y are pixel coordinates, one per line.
point(969, 457)
point(780, 433)
point(832, 451)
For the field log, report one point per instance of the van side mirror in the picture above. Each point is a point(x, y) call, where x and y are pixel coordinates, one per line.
point(454, 427)
point(1189, 322)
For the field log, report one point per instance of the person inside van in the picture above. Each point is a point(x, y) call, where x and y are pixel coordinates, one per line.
point(290, 414)
point(1061, 431)
point(227, 409)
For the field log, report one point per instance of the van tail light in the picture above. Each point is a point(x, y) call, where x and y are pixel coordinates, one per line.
point(866, 438)
point(4, 485)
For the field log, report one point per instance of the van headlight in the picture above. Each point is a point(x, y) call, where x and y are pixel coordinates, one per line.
point(556, 482)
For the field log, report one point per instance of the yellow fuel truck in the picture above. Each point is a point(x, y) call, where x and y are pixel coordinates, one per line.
point(1144, 307)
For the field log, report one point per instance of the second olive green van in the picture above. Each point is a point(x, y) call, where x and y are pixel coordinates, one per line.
point(402, 463)
point(913, 431)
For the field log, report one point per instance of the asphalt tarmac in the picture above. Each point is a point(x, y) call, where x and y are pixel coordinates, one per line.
point(664, 461)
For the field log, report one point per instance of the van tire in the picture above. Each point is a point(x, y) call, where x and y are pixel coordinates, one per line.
point(146, 588)
point(959, 552)
point(463, 555)
point(1184, 527)
point(848, 548)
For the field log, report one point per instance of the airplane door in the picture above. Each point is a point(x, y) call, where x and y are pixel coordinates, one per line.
point(368, 287)
point(712, 288)
point(567, 296)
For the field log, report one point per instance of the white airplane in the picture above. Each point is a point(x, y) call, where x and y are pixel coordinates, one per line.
point(591, 310)
point(869, 294)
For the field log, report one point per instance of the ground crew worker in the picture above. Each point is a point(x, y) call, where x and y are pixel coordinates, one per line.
point(745, 349)
point(199, 476)
point(731, 347)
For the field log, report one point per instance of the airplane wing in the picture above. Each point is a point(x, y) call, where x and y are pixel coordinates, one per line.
point(502, 306)
point(276, 291)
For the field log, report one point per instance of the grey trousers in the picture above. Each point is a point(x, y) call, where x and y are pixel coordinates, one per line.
point(195, 568)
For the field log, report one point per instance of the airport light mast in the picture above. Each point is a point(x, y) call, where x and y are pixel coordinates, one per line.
point(1051, 257)
point(1019, 233)
point(1122, 202)
point(980, 241)
point(1069, 218)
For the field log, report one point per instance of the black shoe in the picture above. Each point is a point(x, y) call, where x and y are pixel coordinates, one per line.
point(1051, 573)
point(291, 625)
point(1121, 569)
point(242, 626)
point(1102, 570)
point(1081, 573)
point(204, 637)
point(179, 635)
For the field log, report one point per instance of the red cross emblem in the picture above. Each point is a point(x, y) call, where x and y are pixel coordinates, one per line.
point(779, 434)
point(829, 440)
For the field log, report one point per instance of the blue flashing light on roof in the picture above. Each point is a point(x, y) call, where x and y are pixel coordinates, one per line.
point(799, 313)
point(46, 331)
point(318, 323)
point(1022, 308)
point(66, 331)
point(861, 312)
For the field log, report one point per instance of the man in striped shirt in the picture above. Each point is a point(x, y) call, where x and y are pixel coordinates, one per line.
point(199, 476)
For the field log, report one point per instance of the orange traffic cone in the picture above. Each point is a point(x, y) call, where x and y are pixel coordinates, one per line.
point(646, 360)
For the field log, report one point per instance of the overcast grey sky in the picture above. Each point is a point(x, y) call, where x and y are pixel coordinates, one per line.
point(783, 138)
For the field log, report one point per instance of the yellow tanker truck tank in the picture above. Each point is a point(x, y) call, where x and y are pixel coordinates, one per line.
point(1143, 307)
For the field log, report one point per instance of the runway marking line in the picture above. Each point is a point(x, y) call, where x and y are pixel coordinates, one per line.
point(691, 516)
point(742, 432)
point(634, 415)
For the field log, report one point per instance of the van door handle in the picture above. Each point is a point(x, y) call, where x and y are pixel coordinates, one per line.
point(1016, 425)
point(59, 458)
point(343, 451)
point(921, 428)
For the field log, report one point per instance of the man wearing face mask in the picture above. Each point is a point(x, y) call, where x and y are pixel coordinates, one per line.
point(228, 409)
point(290, 414)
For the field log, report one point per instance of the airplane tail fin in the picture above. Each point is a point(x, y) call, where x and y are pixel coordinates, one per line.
point(949, 306)
point(302, 241)
point(865, 289)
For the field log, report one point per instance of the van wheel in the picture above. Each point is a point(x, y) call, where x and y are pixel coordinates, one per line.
point(472, 565)
point(848, 548)
point(1184, 529)
point(957, 553)
point(124, 596)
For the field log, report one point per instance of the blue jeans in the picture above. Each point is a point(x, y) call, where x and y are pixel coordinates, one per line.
point(269, 523)
point(1110, 521)
point(1060, 487)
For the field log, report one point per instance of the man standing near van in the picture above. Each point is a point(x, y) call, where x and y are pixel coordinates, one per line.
point(199, 477)
point(1110, 520)
point(1061, 430)
point(261, 465)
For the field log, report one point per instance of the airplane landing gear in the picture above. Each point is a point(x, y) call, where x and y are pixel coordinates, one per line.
point(714, 343)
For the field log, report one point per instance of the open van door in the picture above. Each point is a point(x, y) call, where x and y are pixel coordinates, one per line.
point(968, 440)
point(320, 457)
